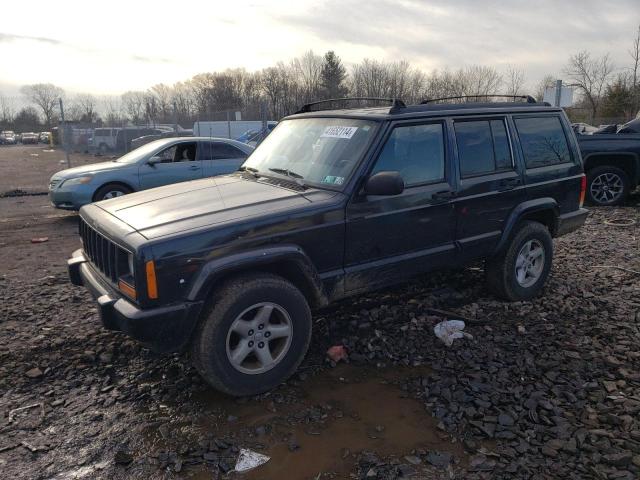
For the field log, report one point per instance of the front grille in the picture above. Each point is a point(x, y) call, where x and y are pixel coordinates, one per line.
point(105, 255)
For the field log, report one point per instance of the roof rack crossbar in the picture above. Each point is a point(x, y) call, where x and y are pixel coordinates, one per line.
point(528, 98)
point(396, 103)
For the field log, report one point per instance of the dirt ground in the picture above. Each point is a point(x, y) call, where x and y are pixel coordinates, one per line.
point(544, 389)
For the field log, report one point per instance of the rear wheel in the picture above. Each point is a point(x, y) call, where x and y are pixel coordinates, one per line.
point(607, 185)
point(520, 271)
point(254, 336)
point(111, 190)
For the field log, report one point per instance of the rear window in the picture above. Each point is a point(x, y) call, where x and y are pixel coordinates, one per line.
point(483, 147)
point(543, 141)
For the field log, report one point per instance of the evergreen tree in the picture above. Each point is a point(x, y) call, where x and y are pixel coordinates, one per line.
point(333, 76)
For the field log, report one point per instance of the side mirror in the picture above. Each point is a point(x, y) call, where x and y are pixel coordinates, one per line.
point(384, 183)
point(154, 160)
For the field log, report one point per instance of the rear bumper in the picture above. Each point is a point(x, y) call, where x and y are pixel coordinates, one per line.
point(163, 329)
point(569, 222)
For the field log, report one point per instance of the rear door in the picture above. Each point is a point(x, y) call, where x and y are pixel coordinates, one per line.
point(179, 164)
point(553, 169)
point(490, 183)
point(390, 238)
point(219, 158)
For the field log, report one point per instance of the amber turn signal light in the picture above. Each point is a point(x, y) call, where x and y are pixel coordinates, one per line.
point(152, 286)
point(127, 289)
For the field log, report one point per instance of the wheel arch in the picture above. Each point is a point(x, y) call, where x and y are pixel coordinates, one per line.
point(542, 210)
point(114, 182)
point(628, 162)
point(287, 261)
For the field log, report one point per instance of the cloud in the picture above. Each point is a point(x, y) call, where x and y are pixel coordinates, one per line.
point(9, 37)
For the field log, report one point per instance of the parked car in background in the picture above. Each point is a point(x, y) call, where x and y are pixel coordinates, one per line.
point(583, 128)
point(8, 137)
point(138, 142)
point(44, 137)
point(331, 205)
point(612, 163)
point(29, 138)
point(160, 162)
point(253, 137)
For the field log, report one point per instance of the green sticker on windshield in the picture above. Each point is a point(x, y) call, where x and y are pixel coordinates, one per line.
point(333, 180)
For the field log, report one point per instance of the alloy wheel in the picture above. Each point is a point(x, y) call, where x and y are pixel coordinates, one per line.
point(606, 188)
point(529, 263)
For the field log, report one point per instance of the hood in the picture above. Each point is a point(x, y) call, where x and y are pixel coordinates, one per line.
point(86, 169)
point(212, 201)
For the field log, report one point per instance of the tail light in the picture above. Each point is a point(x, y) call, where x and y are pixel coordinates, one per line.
point(583, 189)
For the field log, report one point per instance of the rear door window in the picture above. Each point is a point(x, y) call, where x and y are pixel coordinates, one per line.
point(483, 147)
point(221, 151)
point(543, 141)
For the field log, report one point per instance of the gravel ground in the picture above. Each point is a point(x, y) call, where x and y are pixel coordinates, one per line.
point(544, 389)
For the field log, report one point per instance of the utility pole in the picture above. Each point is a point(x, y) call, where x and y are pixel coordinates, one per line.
point(64, 134)
point(558, 92)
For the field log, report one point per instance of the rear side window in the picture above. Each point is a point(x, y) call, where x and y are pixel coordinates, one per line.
point(416, 151)
point(221, 151)
point(102, 132)
point(543, 141)
point(483, 147)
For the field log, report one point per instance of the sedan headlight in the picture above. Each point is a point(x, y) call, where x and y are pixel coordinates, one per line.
point(77, 180)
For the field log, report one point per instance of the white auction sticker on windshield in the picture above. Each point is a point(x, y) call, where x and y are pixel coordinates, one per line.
point(339, 132)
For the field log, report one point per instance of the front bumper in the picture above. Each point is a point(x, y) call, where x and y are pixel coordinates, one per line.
point(70, 199)
point(569, 222)
point(163, 329)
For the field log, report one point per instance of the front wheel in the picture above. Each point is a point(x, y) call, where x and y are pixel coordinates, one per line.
point(520, 271)
point(607, 185)
point(111, 190)
point(255, 335)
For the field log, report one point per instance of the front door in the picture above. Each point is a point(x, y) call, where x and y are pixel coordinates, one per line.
point(390, 238)
point(179, 164)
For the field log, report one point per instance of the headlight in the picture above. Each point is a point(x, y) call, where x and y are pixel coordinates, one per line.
point(77, 180)
point(130, 262)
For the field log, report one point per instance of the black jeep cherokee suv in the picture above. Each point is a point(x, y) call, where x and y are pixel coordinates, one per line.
point(331, 204)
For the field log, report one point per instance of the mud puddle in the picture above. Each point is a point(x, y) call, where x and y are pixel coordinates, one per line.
point(322, 424)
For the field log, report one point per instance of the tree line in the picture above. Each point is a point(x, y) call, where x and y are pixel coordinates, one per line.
point(605, 91)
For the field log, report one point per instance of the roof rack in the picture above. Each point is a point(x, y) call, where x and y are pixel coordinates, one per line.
point(396, 103)
point(527, 98)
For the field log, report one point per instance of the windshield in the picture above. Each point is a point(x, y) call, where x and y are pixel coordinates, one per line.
point(134, 155)
point(319, 151)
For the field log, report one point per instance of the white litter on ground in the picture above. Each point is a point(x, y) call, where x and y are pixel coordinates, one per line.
point(248, 460)
point(449, 330)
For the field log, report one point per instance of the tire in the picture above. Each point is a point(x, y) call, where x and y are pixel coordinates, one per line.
point(607, 185)
point(501, 271)
point(111, 190)
point(217, 339)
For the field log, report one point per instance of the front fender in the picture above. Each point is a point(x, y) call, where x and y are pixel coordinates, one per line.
point(262, 258)
point(530, 206)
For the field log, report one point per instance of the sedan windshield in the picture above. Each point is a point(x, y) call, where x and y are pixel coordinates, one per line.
point(318, 151)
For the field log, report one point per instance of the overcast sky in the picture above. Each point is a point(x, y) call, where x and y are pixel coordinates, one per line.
point(112, 46)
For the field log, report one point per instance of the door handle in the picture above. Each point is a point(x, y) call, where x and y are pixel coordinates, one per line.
point(443, 196)
point(194, 167)
point(508, 184)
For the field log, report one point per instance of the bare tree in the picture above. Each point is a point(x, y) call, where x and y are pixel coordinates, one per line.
point(481, 80)
point(308, 72)
point(514, 81)
point(548, 81)
point(112, 109)
point(134, 103)
point(7, 110)
point(635, 70)
point(87, 105)
point(590, 75)
point(45, 96)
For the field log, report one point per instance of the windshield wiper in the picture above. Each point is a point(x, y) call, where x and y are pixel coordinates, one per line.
point(253, 171)
point(287, 172)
